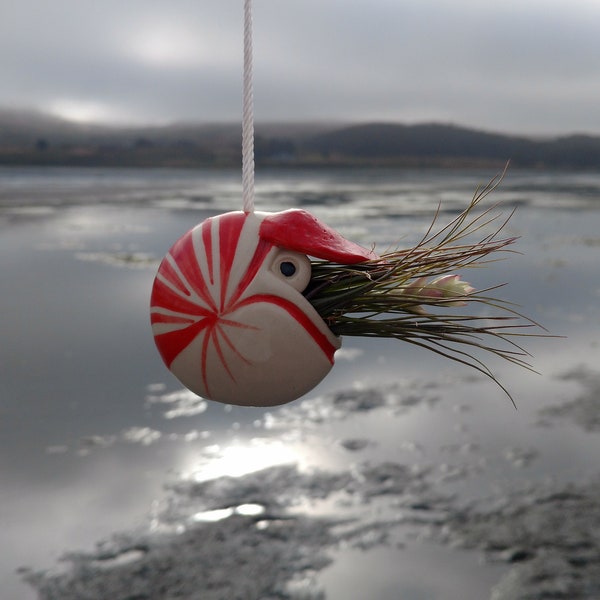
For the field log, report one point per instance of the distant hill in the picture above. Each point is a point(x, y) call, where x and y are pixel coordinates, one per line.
point(446, 144)
point(425, 142)
point(36, 139)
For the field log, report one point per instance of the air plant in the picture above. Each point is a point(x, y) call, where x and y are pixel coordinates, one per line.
point(413, 294)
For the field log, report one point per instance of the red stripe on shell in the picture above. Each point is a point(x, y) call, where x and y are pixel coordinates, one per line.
point(164, 297)
point(171, 344)
point(184, 254)
point(207, 241)
point(298, 314)
point(230, 229)
point(258, 258)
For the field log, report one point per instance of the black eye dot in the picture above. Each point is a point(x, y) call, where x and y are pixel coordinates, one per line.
point(287, 268)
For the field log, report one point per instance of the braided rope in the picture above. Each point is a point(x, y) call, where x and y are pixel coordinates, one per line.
point(248, 115)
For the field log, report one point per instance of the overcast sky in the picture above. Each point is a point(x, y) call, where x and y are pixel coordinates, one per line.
point(521, 66)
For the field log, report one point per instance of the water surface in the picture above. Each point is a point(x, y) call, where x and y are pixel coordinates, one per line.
point(92, 426)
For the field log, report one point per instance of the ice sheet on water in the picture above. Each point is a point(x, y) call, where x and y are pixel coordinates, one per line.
point(584, 409)
point(549, 538)
point(269, 533)
point(180, 403)
point(549, 535)
point(128, 260)
point(256, 548)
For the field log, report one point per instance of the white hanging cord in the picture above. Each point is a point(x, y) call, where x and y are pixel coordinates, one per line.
point(248, 115)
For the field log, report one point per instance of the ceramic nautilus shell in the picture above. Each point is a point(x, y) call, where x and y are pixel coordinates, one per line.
point(227, 311)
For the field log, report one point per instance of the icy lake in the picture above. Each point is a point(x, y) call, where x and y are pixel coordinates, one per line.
point(401, 476)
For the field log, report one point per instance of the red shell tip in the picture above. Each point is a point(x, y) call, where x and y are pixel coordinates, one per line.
point(298, 230)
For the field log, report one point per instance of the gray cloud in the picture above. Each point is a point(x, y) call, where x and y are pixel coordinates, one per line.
point(509, 66)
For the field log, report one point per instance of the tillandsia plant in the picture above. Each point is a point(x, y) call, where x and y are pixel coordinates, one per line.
point(415, 296)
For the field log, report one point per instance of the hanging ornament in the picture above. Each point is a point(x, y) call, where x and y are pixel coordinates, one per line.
point(228, 314)
point(248, 307)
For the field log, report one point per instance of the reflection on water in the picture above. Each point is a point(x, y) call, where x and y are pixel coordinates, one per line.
point(237, 459)
point(245, 510)
point(389, 452)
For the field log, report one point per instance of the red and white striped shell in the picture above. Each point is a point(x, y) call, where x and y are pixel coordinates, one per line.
point(227, 310)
